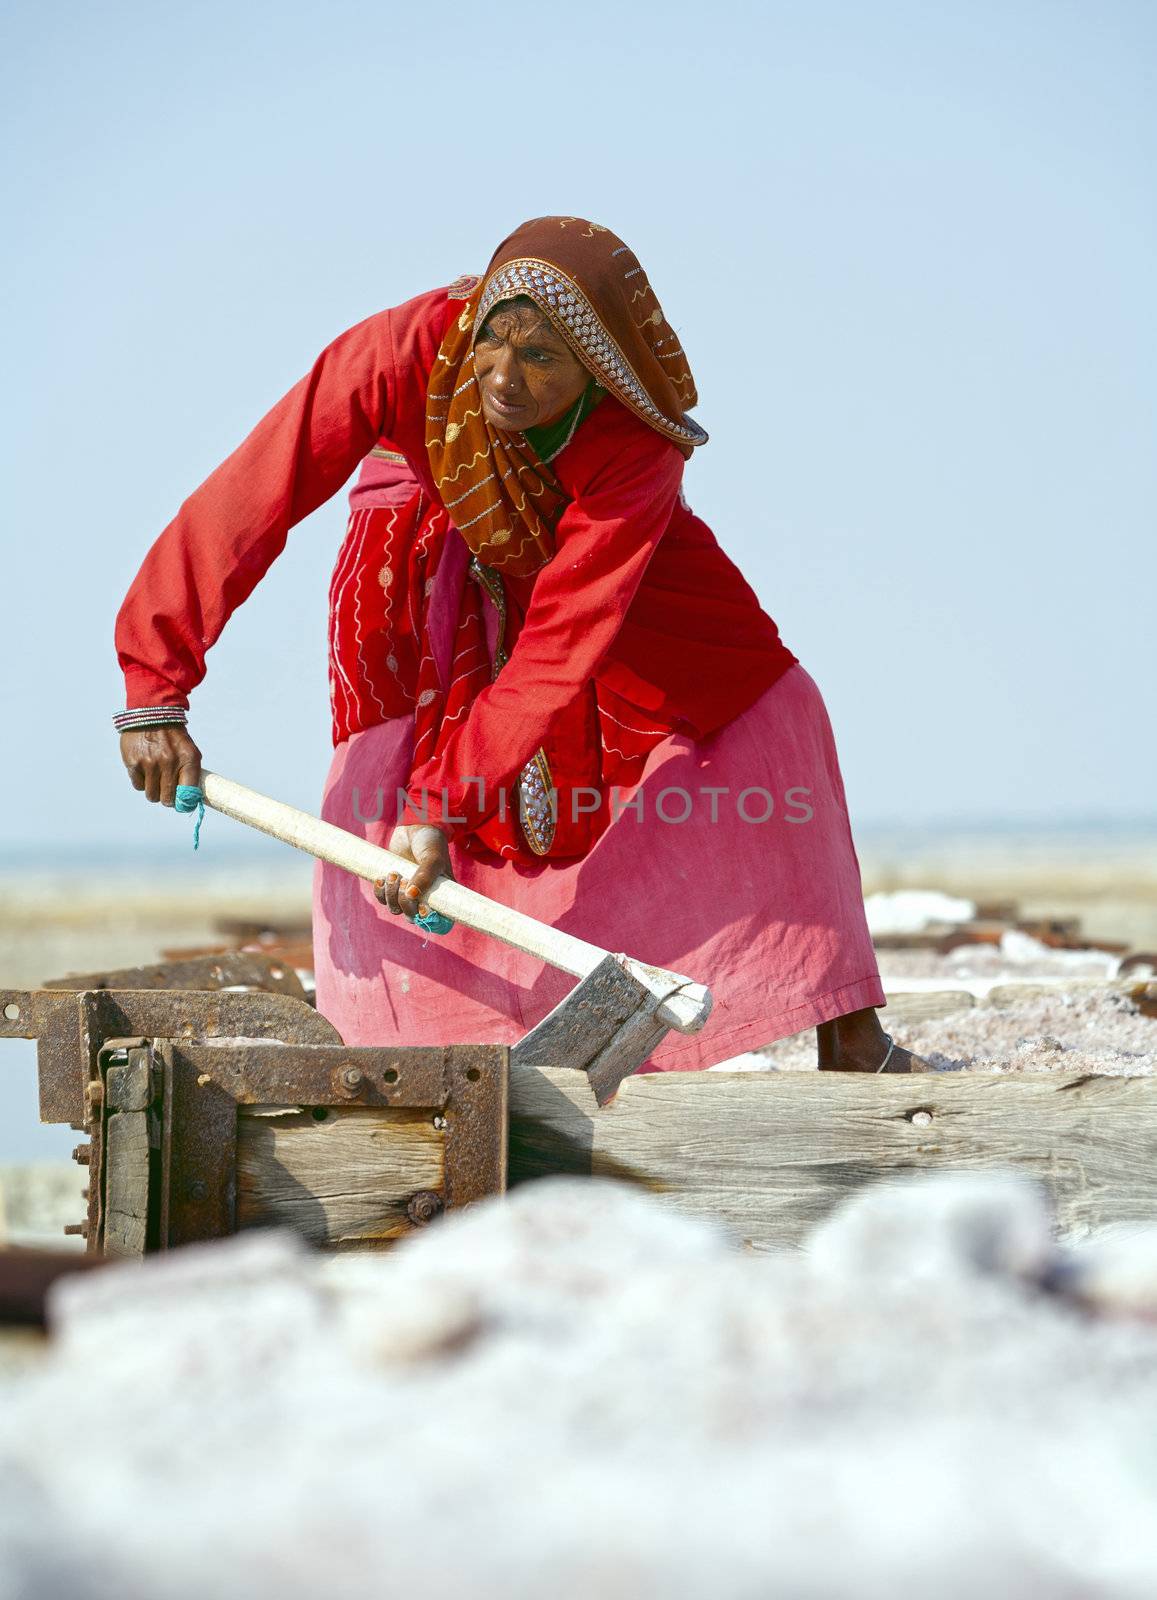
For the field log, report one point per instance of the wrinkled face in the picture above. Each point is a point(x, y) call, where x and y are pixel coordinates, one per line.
point(527, 373)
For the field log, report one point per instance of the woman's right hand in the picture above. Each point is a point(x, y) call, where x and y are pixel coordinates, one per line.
point(158, 759)
point(430, 849)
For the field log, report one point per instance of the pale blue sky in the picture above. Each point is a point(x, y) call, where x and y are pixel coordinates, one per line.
point(911, 250)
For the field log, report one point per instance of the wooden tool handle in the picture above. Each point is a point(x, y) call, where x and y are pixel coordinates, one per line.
point(370, 861)
point(686, 1008)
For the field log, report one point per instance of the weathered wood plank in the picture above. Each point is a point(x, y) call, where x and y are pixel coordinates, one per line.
point(126, 1156)
point(343, 1181)
point(770, 1154)
point(128, 1083)
point(126, 1180)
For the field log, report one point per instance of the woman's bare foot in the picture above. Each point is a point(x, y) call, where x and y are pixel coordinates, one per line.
point(857, 1043)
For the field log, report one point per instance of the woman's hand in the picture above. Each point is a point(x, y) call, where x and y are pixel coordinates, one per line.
point(430, 848)
point(158, 759)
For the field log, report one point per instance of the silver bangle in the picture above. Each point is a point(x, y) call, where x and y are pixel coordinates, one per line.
point(888, 1057)
point(149, 717)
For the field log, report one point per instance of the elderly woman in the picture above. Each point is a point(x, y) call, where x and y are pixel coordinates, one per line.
point(547, 679)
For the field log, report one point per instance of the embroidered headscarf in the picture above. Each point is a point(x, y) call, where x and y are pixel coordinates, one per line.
point(504, 501)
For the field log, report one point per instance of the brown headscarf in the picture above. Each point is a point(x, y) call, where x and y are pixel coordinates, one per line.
point(503, 500)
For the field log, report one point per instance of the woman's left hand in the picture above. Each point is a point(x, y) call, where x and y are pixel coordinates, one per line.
point(430, 848)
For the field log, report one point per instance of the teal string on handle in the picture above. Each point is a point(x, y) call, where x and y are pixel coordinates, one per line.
point(190, 799)
point(434, 922)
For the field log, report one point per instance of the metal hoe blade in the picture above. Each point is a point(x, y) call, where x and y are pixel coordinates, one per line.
point(609, 1025)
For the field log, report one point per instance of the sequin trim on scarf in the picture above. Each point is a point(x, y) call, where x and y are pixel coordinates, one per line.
point(576, 319)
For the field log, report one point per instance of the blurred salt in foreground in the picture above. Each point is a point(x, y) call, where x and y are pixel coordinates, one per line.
point(573, 1392)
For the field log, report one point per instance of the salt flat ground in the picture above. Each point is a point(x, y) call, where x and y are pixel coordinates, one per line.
point(74, 912)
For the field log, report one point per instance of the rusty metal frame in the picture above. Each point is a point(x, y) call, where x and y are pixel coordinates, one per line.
point(212, 1050)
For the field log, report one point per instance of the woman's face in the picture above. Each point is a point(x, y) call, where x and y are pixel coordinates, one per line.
point(527, 373)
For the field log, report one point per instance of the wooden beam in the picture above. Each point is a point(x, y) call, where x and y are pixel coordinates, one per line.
point(770, 1154)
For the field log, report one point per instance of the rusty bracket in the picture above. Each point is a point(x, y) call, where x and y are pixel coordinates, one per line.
point(70, 1028)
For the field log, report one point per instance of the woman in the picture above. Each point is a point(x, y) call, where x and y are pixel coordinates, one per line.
point(543, 655)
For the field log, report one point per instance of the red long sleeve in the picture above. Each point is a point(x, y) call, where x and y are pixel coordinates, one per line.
point(604, 541)
point(229, 531)
point(638, 593)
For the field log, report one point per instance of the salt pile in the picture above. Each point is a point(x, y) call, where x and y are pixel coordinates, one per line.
point(1018, 957)
point(913, 910)
point(1082, 1030)
point(574, 1393)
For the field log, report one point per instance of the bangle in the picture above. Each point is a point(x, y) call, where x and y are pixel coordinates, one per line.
point(150, 717)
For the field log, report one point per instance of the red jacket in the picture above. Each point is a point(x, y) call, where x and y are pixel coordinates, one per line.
point(638, 595)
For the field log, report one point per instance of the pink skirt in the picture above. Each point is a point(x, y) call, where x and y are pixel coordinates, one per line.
point(753, 890)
